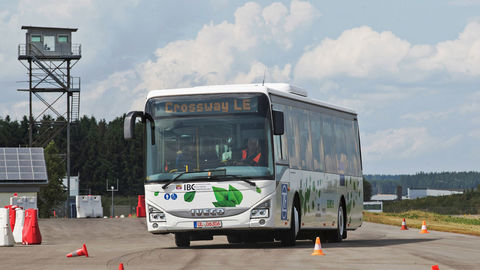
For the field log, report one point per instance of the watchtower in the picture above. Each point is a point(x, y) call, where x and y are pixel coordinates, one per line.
point(49, 56)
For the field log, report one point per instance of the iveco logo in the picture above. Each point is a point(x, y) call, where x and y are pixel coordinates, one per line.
point(208, 212)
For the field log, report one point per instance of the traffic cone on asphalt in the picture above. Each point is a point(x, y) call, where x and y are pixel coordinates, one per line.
point(404, 225)
point(424, 227)
point(435, 267)
point(79, 252)
point(317, 250)
point(120, 266)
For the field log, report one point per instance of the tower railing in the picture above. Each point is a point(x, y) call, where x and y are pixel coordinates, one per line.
point(30, 49)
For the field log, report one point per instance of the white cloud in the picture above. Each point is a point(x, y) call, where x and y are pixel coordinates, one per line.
point(428, 115)
point(475, 134)
point(472, 105)
point(364, 53)
point(358, 52)
point(403, 143)
point(459, 56)
point(225, 52)
point(259, 70)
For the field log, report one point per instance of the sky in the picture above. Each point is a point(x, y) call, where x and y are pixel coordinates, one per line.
point(410, 69)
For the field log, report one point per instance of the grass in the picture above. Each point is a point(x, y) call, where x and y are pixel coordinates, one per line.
point(436, 222)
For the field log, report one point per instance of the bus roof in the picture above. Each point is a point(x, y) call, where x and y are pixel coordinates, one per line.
point(280, 89)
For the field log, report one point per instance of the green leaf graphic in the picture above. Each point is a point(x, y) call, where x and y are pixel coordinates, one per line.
point(188, 197)
point(234, 195)
point(259, 190)
point(224, 204)
point(221, 194)
point(156, 193)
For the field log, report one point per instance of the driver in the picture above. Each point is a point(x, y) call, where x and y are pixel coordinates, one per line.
point(252, 155)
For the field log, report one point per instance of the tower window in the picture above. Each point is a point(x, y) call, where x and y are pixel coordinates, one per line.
point(62, 39)
point(35, 38)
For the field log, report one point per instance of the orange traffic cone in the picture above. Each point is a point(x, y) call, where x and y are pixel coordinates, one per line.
point(404, 225)
point(435, 267)
point(120, 266)
point(317, 250)
point(79, 252)
point(424, 227)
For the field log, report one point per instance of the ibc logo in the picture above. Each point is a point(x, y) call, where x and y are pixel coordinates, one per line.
point(188, 187)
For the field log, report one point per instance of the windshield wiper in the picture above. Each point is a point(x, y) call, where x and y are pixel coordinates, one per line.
point(232, 177)
point(176, 177)
point(221, 177)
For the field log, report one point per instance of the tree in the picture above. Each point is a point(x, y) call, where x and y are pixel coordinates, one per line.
point(53, 194)
point(367, 190)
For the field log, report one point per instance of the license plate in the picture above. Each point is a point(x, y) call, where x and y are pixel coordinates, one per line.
point(207, 224)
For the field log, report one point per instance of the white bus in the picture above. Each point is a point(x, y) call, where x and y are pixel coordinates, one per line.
point(253, 162)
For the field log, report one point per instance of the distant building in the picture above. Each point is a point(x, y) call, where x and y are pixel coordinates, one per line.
point(375, 207)
point(383, 197)
point(22, 171)
point(415, 193)
point(74, 183)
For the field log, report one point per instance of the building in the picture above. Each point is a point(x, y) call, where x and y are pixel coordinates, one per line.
point(415, 193)
point(383, 197)
point(74, 185)
point(22, 171)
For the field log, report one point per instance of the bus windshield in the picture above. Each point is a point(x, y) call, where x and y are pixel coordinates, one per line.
point(198, 135)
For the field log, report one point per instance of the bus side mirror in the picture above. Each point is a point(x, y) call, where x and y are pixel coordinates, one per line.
point(129, 124)
point(278, 123)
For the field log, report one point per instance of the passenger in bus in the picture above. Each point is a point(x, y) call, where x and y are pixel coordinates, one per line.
point(185, 160)
point(209, 158)
point(252, 155)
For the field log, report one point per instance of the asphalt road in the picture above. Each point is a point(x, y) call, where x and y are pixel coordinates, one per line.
point(113, 241)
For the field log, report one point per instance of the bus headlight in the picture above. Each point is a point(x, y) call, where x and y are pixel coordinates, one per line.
point(261, 211)
point(156, 215)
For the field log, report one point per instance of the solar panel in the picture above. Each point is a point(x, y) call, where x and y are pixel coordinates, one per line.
point(22, 164)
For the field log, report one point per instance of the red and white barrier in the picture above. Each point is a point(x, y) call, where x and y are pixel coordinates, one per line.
point(31, 232)
point(6, 236)
point(141, 211)
point(19, 223)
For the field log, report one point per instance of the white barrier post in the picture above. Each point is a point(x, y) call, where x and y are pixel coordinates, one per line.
point(6, 236)
point(89, 206)
point(97, 206)
point(24, 202)
point(19, 222)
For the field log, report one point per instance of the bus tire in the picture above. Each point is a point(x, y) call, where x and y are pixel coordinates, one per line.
point(182, 239)
point(289, 236)
point(340, 233)
point(234, 238)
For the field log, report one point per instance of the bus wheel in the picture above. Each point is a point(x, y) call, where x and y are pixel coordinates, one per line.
point(338, 234)
point(234, 238)
point(182, 239)
point(289, 236)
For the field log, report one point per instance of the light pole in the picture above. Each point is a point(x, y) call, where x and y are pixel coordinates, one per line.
point(112, 189)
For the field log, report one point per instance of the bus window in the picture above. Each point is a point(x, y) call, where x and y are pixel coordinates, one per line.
point(305, 140)
point(280, 141)
point(358, 160)
point(293, 139)
point(341, 152)
point(316, 123)
point(329, 144)
point(350, 146)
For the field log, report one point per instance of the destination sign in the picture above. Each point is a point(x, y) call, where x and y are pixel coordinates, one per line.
point(209, 106)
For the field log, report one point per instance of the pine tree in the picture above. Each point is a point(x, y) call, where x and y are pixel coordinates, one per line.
point(53, 194)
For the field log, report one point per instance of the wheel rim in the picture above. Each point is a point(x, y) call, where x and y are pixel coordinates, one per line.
point(297, 222)
point(340, 220)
